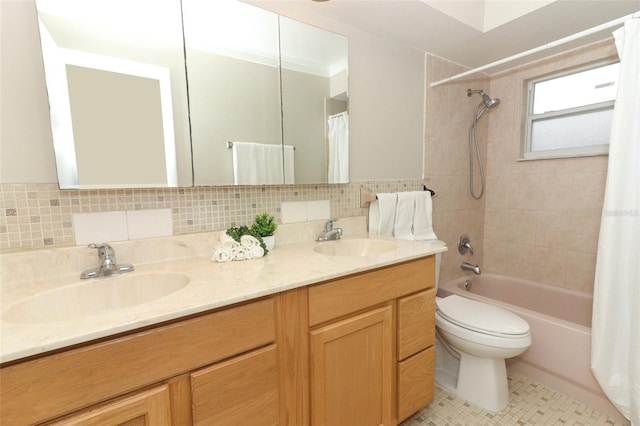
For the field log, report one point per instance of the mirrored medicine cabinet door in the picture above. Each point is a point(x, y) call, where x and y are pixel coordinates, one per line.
point(117, 92)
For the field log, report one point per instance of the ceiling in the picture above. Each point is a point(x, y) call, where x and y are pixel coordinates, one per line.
point(424, 25)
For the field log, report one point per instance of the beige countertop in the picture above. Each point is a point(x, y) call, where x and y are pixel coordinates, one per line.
point(211, 285)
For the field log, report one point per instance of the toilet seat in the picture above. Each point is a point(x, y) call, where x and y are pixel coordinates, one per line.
point(481, 317)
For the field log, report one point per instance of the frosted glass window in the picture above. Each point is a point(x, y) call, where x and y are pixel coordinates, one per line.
point(569, 114)
point(590, 128)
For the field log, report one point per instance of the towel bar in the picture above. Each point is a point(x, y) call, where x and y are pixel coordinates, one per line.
point(230, 145)
point(366, 196)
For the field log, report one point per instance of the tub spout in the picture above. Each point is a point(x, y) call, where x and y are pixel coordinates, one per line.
point(471, 267)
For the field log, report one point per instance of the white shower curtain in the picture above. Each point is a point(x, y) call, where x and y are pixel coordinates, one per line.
point(339, 148)
point(615, 349)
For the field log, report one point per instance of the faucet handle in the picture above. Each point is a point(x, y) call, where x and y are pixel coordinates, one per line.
point(105, 251)
point(328, 225)
point(464, 245)
point(99, 246)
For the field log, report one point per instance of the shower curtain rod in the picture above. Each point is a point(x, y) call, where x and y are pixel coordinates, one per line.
point(559, 42)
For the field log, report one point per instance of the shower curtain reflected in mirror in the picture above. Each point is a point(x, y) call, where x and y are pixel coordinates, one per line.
point(339, 148)
point(615, 349)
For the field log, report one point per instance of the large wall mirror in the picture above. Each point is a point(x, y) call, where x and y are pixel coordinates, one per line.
point(267, 96)
point(117, 92)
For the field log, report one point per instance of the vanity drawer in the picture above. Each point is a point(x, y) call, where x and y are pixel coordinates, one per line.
point(415, 382)
point(74, 379)
point(416, 323)
point(242, 390)
point(342, 296)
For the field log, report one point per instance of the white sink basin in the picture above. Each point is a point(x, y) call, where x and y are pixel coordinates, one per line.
point(94, 296)
point(356, 247)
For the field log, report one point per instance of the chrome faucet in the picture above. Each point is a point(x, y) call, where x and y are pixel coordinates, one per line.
point(108, 264)
point(330, 233)
point(471, 267)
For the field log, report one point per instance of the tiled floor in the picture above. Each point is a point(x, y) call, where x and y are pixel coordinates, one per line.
point(531, 404)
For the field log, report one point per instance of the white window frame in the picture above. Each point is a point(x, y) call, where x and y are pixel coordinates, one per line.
point(530, 118)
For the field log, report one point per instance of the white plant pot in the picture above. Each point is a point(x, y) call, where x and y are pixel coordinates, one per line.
point(270, 242)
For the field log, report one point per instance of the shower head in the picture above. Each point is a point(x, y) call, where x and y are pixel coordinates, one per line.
point(486, 100)
point(490, 103)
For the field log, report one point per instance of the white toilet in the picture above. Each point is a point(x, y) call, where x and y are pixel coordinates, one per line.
point(473, 341)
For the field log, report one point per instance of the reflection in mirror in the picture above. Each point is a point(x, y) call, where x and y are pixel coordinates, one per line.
point(234, 93)
point(243, 73)
point(315, 101)
point(117, 92)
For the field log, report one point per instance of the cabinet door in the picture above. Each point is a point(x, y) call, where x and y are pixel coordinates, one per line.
point(352, 371)
point(240, 391)
point(147, 408)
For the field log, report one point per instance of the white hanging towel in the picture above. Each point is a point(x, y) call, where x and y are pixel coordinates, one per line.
point(423, 217)
point(405, 210)
point(257, 163)
point(382, 213)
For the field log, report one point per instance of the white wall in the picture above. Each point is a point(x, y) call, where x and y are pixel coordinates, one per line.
point(386, 89)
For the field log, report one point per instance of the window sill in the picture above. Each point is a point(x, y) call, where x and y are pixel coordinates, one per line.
point(591, 151)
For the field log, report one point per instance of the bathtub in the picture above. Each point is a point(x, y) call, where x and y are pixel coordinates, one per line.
point(560, 322)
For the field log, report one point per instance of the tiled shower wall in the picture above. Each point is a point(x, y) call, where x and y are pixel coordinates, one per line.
point(36, 216)
point(542, 217)
point(449, 113)
point(538, 220)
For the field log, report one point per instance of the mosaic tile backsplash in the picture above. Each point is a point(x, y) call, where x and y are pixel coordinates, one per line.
point(36, 216)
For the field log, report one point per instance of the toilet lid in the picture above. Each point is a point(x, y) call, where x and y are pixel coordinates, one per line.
point(481, 317)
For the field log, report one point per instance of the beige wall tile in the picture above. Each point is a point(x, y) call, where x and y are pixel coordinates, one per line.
point(596, 163)
point(581, 269)
point(500, 157)
point(584, 228)
point(525, 192)
point(519, 260)
point(521, 226)
point(552, 229)
point(495, 256)
point(587, 191)
point(497, 192)
point(550, 266)
point(495, 224)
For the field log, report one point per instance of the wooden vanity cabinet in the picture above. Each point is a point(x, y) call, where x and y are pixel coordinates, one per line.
point(371, 345)
point(89, 380)
point(353, 351)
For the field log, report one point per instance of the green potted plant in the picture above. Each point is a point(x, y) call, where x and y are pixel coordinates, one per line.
point(265, 226)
